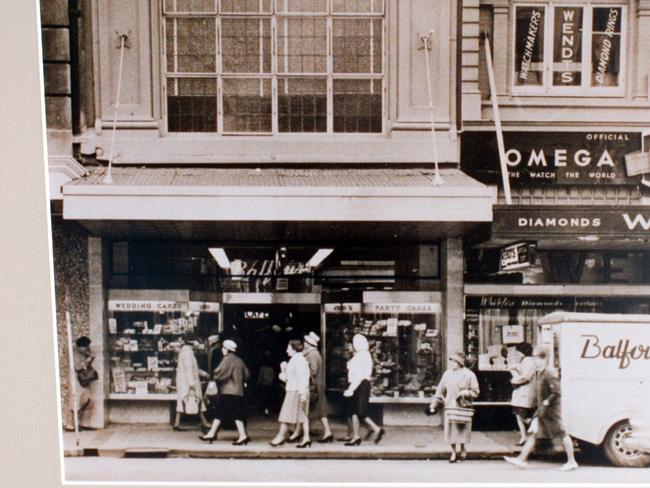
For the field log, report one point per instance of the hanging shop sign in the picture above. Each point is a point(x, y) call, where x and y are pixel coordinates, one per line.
point(547, 158)
point(516, 256)
point(342, 308)
point(146, 306)
point(628, 221)
point(203, 307)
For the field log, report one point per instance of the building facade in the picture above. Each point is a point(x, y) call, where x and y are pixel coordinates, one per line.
point(262, 169)
point(572, 85)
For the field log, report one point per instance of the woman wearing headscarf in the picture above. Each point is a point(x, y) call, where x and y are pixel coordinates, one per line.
point(358, 391)
point(230, 376)
point(295, 407)
point(188, 383)
point(457, 387)
point(524, 393)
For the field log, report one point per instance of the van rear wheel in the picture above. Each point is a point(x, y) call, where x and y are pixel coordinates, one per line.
point(618, 453)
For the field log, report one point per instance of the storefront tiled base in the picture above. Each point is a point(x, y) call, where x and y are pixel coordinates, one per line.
point(139, 412)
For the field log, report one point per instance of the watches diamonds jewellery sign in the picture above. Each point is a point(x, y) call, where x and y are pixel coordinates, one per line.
point(546, 158)
point(628, 221)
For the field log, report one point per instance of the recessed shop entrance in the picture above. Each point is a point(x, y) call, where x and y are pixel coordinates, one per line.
point(262, 331)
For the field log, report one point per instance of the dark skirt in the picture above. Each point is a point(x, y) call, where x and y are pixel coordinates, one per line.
point(359, 403)
point(230, 408)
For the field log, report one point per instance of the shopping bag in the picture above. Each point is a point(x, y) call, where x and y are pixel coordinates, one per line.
point(211, 389)
point(191, 404)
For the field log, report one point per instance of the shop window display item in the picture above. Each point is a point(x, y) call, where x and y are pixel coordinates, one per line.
point(404, 341)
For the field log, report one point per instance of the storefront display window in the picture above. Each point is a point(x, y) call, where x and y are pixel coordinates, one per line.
point(143, 342)
point(496, 325)
point(584, 51)
point(405, 343)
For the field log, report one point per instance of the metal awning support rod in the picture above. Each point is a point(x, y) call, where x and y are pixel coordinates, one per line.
point(108, 179)
point(497, 122)
point(426, 39)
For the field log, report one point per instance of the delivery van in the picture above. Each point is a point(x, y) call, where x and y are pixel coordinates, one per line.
point(604, 364)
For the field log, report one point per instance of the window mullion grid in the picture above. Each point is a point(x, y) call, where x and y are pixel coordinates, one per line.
point(274, 76)
point(330, 80)
point(219, 68)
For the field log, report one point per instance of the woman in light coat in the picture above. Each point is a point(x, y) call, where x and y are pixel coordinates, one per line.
point(524, 394)
point(295, 407)
point(458, 386)
point(188, 382)
point(358, 391)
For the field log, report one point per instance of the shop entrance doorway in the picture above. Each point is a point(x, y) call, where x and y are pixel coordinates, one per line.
point(262, 332)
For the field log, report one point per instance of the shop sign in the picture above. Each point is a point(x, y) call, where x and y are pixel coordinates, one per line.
point(425, 308)
point(160, 306)
point(512, 334)
point(514, 257)
point(204, 307)
point(628, 221)
point(266, 267)
point(342, 308)
point(552, 158)
point(519, 302)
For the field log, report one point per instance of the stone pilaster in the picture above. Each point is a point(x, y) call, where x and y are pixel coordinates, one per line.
point(453, 295)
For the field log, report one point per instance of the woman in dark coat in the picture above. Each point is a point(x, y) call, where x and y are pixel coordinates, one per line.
point(230, 376)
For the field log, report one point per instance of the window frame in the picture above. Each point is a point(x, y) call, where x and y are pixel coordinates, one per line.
point(584, 90)
point(276, 75)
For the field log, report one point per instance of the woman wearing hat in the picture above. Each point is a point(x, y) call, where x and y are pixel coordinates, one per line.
point(317, 400)
point(358, 392)
point(295, 407)
point(230, 376)
point(457, 387)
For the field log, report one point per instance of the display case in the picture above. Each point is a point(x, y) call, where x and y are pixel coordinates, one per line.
point(143, 341)
point(405, 344)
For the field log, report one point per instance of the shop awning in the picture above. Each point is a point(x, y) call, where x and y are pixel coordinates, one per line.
point(186, 201)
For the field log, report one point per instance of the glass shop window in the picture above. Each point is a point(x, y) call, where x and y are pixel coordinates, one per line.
point(568, 49)
point(269, 67)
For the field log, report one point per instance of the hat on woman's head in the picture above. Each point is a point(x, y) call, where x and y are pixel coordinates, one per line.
point(230, 345)
point(458, 357)
point(312, 338)
point(359, 342)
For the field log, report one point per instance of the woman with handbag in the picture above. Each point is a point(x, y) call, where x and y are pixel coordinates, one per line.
point(295, 407)
point(458, 387)
point(358, 392)
point(524, 394)
point(84, 377)
point(189, 399)
point(230, 377)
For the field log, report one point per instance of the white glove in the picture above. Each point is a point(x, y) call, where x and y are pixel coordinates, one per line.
point(348, 393)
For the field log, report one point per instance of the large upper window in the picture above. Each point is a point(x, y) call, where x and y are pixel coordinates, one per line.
point(274, 66)
point(569, 49)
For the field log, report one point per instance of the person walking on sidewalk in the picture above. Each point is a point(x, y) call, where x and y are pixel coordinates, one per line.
point(547, 420)
point(230, 376)
point(83, 360)
point(458, 386)
point(524, 394)
point(189, 397)
point(358, 392)
point(295, 407)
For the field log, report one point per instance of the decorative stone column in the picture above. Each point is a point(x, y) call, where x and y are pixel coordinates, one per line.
point(501, 48)
point(453, 293)
point(96, 305)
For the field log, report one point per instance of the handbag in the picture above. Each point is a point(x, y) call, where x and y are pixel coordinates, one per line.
point(87, 375)
point(191, 404)
point(211, 389)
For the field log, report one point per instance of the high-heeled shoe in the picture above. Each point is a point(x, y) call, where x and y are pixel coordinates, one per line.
point(463, 455)
point(304, 444)
point(276, 444)
point(326, 439)
point(380, 435)
point(205, 438)
point(452, 458)
point(241, 442)
point(353, 442)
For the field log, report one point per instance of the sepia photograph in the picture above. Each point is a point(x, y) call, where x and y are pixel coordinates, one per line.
point(378, 242)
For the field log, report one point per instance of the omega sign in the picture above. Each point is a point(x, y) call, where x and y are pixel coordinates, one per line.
point(543, 158)
point(629, 221)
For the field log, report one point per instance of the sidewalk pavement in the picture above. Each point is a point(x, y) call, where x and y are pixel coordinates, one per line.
point(161, 441)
